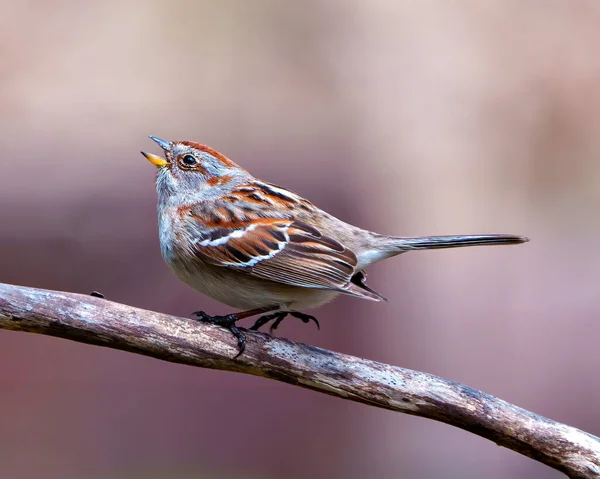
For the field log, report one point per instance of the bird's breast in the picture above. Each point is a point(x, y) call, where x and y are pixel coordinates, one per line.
point(176, 243)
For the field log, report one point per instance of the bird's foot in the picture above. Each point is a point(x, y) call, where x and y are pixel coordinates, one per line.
point(260, 322)
point(228, 322)
point(305, 318)
point(279, 316)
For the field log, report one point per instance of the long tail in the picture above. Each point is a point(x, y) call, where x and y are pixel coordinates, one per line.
point(435, 242)
point(386, 246)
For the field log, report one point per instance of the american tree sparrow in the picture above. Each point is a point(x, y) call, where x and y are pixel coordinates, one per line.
point(261, 248)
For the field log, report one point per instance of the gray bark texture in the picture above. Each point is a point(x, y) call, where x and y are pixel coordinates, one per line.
point(104, 323)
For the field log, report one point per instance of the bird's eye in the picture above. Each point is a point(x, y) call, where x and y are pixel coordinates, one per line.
point(188, 161)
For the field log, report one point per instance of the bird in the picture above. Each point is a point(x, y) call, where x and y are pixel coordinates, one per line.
point(262, 249)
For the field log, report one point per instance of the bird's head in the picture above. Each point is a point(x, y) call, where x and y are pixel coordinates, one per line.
point(191, 171)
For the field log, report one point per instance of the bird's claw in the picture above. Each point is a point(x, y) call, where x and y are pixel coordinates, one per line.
point(306, 318)
point(260, 322)
point(228, 322)
point(279, 316)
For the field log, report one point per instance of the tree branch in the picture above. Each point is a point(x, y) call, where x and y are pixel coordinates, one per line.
point(101, 322)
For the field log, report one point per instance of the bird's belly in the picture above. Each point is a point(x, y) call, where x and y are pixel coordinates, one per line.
point(231, 287)
point(240, 290)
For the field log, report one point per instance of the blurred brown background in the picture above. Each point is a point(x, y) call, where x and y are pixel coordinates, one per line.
point(405, 117)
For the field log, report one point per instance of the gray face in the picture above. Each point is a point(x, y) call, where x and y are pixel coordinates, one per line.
point(194, 174)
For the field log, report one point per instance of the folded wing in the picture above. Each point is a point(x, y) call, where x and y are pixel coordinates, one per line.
point(285, 251)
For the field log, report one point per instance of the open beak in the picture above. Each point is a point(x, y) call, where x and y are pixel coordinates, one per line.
point(156, 160)
point(164, 144)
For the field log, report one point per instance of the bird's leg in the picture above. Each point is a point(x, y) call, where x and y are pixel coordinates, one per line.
point(260, 322)
point(228, 322)
point(279, 316)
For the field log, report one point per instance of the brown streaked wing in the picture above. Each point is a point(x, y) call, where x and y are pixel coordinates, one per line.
point(309, 260)
point(242, 244)
point(280, 250)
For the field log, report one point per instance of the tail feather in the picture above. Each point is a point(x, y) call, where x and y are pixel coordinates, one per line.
point(436, 242)
point(387, 246)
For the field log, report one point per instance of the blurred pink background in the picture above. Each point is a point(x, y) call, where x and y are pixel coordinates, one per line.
point(404, 117)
